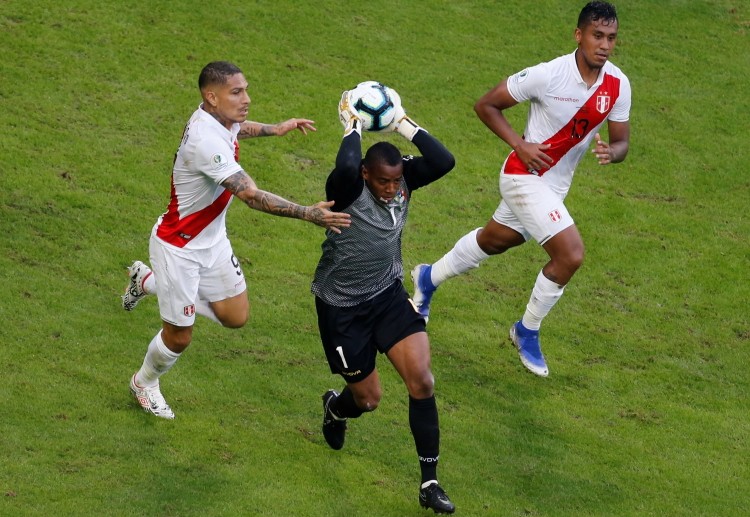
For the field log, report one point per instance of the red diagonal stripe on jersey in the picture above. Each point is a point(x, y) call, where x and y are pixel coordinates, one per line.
point(565, 139)
point(178, 232)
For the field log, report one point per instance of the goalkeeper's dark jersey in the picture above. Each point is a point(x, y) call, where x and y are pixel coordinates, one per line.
point(365, 259)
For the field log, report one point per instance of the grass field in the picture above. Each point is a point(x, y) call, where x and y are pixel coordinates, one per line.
point(646, 408)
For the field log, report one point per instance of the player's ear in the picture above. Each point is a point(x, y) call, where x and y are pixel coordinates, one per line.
point(578, 35)
point(209, 96)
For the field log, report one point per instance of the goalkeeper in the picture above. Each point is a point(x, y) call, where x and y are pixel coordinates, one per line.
point(361, 302)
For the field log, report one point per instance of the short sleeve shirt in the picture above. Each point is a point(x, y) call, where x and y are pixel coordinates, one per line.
point(207, 156)
point(566, 113)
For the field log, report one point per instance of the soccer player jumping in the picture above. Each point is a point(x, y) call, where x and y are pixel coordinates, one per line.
point(570, 98)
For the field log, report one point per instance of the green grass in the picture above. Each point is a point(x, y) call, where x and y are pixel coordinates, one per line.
point(646, 409)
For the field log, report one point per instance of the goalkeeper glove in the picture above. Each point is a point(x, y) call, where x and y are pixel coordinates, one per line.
point(403, 124)
point(348, 115)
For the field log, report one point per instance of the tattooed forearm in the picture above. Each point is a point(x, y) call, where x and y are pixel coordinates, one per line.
point(249, 129)
point(243, 186)
point(276, 205)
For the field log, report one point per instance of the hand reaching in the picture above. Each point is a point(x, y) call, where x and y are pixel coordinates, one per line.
point(302, 124)
point(334, 221)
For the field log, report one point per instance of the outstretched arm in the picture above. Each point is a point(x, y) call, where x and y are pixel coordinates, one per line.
point(242, 185)
point(250, 129)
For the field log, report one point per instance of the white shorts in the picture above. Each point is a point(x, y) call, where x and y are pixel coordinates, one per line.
point(530, 207)
point(184, 276)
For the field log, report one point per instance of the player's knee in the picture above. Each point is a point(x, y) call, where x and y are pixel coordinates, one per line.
point(497, 242)
point(236, 319)
point(369, 401)
point(177, 341)
point(574, 259)
point(236, 322)
point(423, 386)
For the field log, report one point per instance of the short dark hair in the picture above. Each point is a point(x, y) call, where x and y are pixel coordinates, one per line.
point(597, 11)
point(217, 72)
point(382, 152)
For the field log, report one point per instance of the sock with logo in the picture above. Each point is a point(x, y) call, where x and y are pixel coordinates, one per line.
point(423, 420)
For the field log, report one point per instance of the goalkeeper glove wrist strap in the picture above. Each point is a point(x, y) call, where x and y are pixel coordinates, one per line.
point(407, 128)
point(353, 124)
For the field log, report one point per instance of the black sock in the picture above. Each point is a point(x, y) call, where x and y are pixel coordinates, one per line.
point(423, 420)
point(344, 405)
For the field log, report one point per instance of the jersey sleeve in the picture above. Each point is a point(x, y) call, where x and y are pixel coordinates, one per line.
point(621, 110)
point(530, 83)
point(345, 183)
point(436, 161)
point(215, 159)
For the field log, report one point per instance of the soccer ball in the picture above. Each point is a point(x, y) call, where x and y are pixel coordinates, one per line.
point(375, 103)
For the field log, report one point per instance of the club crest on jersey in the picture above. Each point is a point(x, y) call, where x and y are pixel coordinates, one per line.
point(219, 161)
point(554, 216)
point(400, 198)
point(602, 103)
point(188, 310)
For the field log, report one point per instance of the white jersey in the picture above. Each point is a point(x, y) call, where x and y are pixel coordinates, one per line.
point(566, 113)
point(196, 215)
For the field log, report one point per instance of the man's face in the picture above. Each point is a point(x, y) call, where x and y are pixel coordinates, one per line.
point(383, 180)
point(596, 41)
point(230, 102)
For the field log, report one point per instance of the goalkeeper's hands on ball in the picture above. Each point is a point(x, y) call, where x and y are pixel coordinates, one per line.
point(403, 124)
point(348, 115)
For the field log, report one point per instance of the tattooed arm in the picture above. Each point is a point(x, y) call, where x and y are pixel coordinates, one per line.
point(250, 129)
point(243, 186)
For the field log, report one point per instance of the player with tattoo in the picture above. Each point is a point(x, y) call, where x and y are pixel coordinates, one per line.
point(194, 268)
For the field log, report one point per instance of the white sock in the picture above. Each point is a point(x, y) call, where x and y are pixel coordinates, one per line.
point(159, 359)
point(465, 255)
point(544, 296)
point(428, 483)
point(203, 308)
point(149, 284)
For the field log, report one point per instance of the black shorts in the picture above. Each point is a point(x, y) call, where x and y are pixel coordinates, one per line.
point(352, 336)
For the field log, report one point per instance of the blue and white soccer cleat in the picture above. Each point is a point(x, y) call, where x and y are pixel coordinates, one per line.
point(423, 289)
point(529, 349)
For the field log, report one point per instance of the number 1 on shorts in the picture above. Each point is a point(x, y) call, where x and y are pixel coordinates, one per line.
point(341, 353)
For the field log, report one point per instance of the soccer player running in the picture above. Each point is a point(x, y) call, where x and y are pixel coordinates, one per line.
point(570, 98)
point(194, 268)
point(361, 302)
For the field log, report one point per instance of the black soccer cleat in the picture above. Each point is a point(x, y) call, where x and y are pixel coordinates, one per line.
point(433, 496)
point(334, 431)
